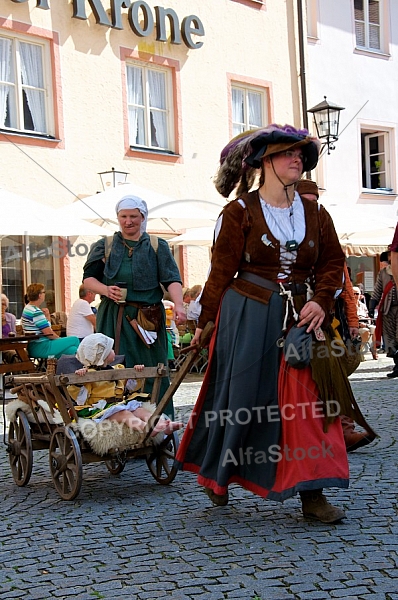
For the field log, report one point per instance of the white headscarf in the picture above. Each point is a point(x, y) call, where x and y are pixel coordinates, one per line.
point(131, 202)
point(94, 349)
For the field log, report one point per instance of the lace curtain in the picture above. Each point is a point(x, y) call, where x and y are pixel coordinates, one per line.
point(156, 105)
point(157, 100)
point(249, 116)
point(33, 84)
point(5, 71)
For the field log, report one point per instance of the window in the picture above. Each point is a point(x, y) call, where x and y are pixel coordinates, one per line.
point(22, 264)
point(24, 91)
point(376, 161)
point(248, 108)
point(368, 24)
point(312, 18)
point(149, 115)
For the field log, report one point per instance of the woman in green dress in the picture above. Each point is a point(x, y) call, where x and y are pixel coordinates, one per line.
point(141, 264)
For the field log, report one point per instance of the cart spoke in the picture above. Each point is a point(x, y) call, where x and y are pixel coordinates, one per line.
point(20, 449)
point(165, 465)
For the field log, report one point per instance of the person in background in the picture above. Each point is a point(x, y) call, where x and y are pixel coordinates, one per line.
point(8, 327)
point(81, 320)
point(394, 256)
point(8, 320)
point(173, 336)
point(384, 259)
point(186, 298)
point(34, 320)
point(143, 269)
point(276, 257)
point(366, 328)
point(194, 308)
point(353, 439)
point(383, 262)
point(385, 297)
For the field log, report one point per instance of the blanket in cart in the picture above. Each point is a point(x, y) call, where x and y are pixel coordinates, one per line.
point(102, 437)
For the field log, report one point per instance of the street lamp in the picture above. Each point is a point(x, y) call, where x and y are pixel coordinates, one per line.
point(327, 117)
point(112, 178)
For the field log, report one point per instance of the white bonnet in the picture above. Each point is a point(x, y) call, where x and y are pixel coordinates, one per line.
point(131, 202)
point(94, 349)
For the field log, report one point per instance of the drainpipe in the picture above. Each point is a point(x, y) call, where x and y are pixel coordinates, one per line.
point(302, 63)
point(303, 83)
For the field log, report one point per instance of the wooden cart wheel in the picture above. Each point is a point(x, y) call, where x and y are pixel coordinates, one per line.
point(115, 466)
point(20, 449)
point(161, 461)
point(66, 463)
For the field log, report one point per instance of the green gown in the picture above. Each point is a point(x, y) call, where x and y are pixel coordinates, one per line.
point(134, 350)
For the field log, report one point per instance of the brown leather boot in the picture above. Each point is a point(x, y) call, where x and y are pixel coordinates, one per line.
point(315, 506)
point(357, 440)
point(217, 499)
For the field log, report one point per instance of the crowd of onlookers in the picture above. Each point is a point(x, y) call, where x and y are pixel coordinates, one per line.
point(57, 333)
point(51, 334)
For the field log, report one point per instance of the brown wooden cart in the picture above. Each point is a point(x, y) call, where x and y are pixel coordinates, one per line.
point(45, 418)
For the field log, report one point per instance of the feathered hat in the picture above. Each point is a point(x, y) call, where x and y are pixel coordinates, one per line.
point(243, 155)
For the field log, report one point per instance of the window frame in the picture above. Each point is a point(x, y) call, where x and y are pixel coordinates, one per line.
point(367, 132)
point(55, 122)
point(131, 57)
point(312, 12)
point(49, 107)
point(383, 28)
point(147, 109)
point(246, 91)
point(250, 84)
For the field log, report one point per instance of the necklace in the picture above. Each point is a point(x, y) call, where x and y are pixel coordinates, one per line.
point(292, 244)
point(129, 248)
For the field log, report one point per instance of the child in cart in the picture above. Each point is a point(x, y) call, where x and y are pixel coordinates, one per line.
point(120, 401)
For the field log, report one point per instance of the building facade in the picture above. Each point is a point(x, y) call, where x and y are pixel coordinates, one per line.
point(151, 89)
point(351, 59)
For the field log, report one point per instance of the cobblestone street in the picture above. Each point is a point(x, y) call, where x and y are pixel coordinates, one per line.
point(126, 536)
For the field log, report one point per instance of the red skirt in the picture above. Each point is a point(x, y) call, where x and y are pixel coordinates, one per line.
point(259, 422)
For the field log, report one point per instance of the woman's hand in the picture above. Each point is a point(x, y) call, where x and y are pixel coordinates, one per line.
point(179, 315)
point(46, 313)
point(114, 293)
point(312, 315)
point(196, 338)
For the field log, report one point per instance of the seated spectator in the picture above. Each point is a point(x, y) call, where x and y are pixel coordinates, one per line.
point(34, 321)
point(8, 322)
point(81, 321)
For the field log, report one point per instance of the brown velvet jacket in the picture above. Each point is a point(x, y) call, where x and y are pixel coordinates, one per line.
point(320, 259)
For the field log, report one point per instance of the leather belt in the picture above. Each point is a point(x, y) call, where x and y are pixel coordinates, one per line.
point(119, 319)
point(295, 288)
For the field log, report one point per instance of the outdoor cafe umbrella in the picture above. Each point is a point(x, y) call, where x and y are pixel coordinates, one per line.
point(361, 232)
point(197, 236)
point(24, 216)
point(167, 215)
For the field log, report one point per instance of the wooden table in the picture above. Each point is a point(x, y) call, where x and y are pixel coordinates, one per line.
point(19, 343)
